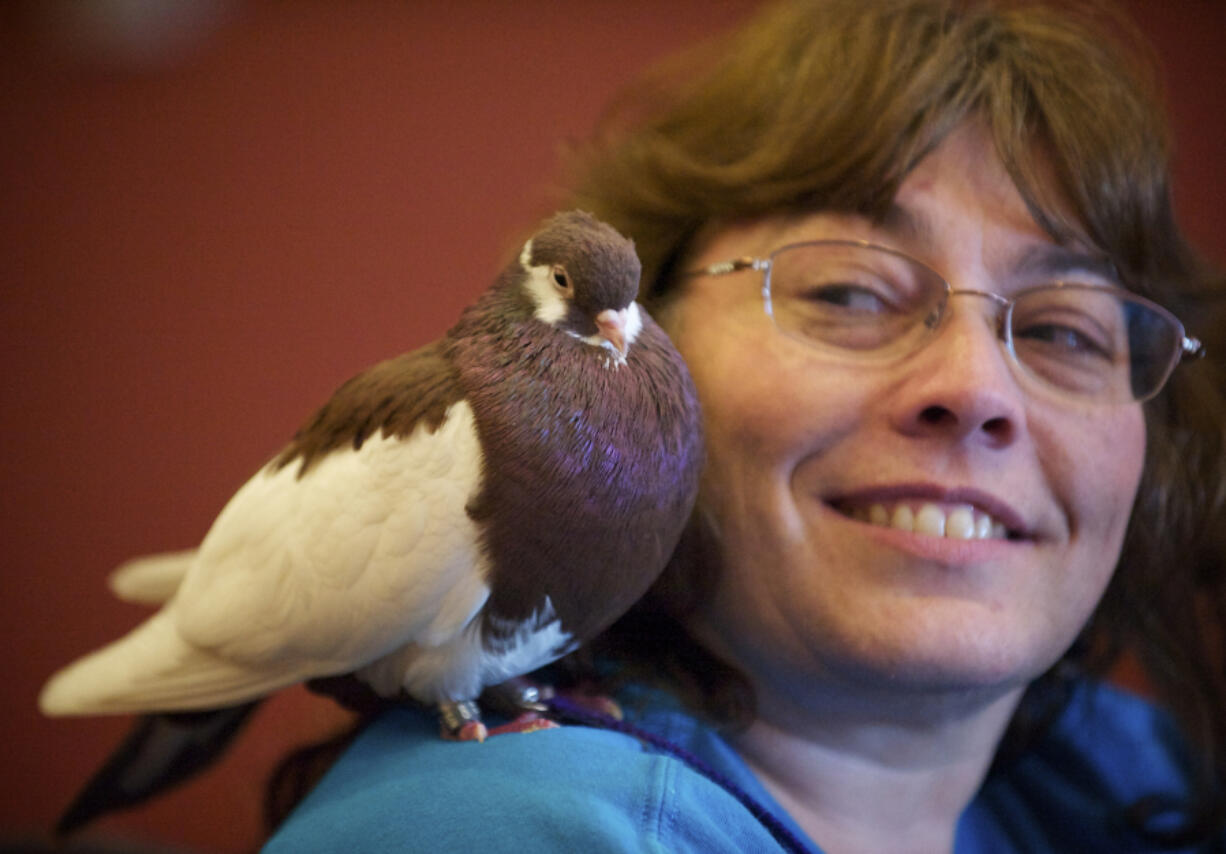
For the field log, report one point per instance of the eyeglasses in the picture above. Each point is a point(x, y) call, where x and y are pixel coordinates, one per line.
point(1087, 340)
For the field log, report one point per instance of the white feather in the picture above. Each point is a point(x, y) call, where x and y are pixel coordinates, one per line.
point(370, 551)
point(153, 668)
point(461, 666)
point(530, 645)
point(151, 579)
point(634, 323)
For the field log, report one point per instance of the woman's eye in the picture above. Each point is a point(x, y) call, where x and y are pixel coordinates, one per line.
point(853, 298)
point(1062, 339)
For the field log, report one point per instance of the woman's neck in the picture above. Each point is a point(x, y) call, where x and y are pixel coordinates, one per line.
point(871, 782)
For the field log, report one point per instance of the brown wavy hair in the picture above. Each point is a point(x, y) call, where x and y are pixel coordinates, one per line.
point(828, 105)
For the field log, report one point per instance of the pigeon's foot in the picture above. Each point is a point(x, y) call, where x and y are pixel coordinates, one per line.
point(527, 722)
point(525, 702)
point(461, 721)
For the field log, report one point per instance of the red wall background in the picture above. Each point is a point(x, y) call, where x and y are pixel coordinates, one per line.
point(199, 243)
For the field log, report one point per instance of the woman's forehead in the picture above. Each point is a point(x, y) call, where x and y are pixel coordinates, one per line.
point(961, 179)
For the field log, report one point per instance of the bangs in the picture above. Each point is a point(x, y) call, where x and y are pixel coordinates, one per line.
point(829, 105)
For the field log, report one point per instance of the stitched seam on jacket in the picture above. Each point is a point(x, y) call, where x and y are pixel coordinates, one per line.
point(661, 812)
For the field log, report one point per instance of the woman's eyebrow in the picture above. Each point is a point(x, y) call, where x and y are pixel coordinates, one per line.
point(1055, 261)
point(1048, 260)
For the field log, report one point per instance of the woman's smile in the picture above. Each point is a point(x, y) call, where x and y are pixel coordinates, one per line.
point(956, 513)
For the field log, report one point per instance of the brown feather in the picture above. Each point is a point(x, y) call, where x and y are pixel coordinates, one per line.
point(391, 397)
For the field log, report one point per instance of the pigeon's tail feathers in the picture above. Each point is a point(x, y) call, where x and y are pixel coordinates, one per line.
point(161, 751)
point(153, 669)
point(152, 579)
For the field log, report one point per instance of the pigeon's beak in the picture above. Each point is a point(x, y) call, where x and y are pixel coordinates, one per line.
point(611, 326)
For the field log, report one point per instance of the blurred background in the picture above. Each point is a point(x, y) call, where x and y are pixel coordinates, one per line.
point(213, 212)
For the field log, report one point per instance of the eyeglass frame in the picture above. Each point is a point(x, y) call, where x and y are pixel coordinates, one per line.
point(1188, 347)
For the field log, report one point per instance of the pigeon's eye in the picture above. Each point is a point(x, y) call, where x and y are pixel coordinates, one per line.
point(561, 278)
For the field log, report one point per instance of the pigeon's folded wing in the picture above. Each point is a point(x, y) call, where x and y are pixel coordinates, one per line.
point(369, 550)
point(322, 562)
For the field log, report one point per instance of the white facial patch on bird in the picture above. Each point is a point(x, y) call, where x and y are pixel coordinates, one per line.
point(551, 306)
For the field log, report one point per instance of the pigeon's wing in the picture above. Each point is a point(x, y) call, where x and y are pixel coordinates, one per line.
point(393, 396)
point(309, 570)
point(371, 549)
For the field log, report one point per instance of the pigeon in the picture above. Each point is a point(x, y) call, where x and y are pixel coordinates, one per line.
point(451, 519)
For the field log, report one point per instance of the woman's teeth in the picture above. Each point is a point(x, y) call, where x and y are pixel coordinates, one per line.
point(958, 522)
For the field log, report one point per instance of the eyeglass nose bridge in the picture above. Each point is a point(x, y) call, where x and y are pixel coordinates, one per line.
point(1002, 309)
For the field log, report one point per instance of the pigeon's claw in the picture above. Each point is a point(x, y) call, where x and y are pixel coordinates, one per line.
point(471, 731)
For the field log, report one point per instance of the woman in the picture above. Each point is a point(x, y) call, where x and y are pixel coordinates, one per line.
point(916, 259)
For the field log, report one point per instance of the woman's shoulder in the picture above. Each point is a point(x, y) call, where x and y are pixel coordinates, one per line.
point(1109, 750)
point(401, 787)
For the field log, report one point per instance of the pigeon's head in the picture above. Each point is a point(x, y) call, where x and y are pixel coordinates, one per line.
point(582, 278)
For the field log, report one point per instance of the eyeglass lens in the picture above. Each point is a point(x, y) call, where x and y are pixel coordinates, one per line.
point(876, 303)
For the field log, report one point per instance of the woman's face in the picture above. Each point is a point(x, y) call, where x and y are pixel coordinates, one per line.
point(798, 440)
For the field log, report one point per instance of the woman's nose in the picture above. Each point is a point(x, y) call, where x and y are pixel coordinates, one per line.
point(960, 386)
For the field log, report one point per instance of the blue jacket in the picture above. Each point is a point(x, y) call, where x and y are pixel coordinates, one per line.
point(401, 788)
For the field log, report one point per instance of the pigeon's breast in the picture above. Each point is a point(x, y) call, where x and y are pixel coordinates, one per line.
point(590, 474)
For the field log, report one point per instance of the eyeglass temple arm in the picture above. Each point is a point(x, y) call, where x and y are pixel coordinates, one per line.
point(745, 262)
